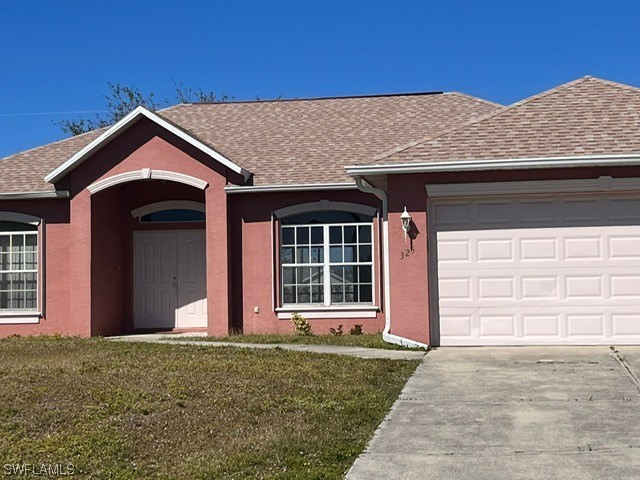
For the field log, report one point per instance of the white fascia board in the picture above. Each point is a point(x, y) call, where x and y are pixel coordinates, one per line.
point(34, 195)
point(290, 188)
point(125, 123)
point(506, 164)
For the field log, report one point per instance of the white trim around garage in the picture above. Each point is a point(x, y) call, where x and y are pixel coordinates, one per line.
point(146, 174)
point(124, 124)
point(600, 184)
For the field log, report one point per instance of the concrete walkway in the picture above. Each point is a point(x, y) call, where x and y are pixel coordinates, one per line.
point(361, 352)
point(513, 413)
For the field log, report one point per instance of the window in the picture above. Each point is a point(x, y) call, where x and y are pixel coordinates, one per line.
point(327, 259)
point(173, 215)
point(18, 266)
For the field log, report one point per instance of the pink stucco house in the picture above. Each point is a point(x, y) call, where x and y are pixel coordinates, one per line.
point(437, 218)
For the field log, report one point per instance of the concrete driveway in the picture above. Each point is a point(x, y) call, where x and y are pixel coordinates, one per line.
point(513, 413)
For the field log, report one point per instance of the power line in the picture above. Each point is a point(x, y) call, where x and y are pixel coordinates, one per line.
point(34, 114)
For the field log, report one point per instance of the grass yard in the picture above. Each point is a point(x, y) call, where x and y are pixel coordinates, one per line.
point(132, 410)
point(372, 340)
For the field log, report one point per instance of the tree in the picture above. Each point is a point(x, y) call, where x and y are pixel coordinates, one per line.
point(122, 99)
point(190, 95)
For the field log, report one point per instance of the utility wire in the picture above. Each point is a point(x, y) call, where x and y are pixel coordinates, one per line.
point(33, 114)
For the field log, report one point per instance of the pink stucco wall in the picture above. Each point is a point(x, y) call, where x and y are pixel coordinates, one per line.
point(253, 259)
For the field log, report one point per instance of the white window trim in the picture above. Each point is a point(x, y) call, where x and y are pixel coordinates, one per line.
point(325, 205)
point(28, 316)
point(326, 265)
point(19, 218)
point(335, 311)
point(19, 317)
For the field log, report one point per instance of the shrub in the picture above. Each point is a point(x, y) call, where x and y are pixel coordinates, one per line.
point(301, 325)
point(336, 331)
point(356, 329)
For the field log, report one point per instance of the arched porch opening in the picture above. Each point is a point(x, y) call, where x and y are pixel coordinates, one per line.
point(148, 255)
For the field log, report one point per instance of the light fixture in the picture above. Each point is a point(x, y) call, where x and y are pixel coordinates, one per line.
point(406, 222)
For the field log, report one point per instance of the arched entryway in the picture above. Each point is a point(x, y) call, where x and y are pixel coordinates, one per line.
point(148, 259)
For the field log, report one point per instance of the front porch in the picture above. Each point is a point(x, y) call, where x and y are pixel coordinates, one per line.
point(148, 258)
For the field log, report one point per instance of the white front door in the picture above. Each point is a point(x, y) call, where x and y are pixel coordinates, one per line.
point(170, 279)
point(192, 280)
point(537, 270)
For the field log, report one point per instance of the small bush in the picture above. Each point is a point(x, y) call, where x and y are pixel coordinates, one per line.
point(356, 329)
point(301, 325)
point(336, 331)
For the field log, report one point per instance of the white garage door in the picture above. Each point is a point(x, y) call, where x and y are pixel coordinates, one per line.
point(537, 271)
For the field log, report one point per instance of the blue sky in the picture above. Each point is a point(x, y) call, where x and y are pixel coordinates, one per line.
point(56, 56)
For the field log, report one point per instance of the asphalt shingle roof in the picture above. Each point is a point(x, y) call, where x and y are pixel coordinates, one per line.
point(588, 116)
point(281, 142)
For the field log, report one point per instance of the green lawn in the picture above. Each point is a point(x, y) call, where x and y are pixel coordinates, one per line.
point(132, 410)
point(373, 340)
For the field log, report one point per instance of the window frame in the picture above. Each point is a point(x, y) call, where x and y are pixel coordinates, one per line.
point(31, 315)
point(23, 270)
point(326, 265)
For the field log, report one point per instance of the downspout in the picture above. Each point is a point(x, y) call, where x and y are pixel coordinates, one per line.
point(387, 336)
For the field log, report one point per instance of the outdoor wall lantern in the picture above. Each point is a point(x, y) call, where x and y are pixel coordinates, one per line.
point(406, 222)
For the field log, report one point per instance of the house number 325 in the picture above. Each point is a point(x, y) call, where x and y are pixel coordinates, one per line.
point(404, 254)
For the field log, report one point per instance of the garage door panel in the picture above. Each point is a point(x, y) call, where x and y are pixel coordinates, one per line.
point(541, 325)
point(624, 247)
point(540, 250)
point(451, 215)
point(528, 280)
point(624, 209)
point(626, 324)
point(495, 326)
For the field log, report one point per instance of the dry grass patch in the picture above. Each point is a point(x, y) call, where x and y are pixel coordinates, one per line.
point(133, 410)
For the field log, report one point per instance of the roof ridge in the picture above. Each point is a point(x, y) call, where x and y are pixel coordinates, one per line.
point(622, 86)
point(483, 118)
point(474, 98)
point(335, 97)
